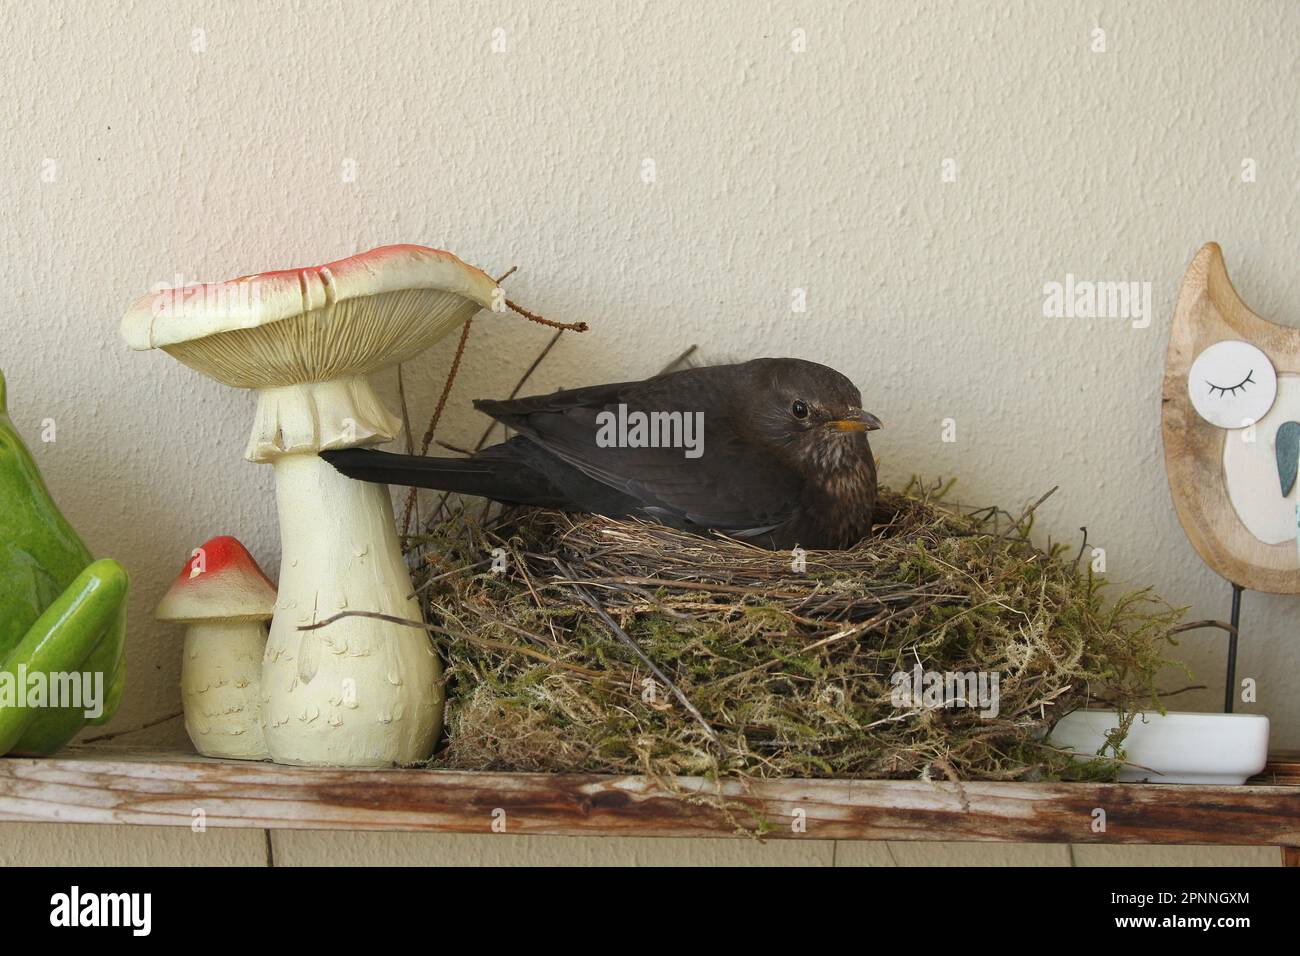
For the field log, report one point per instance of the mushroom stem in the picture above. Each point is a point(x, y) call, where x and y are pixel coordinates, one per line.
point(221, 676)
point(359, 692)
point(336, 413)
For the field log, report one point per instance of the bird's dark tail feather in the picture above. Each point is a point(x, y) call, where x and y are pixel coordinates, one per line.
point(482, 476)
point(443, 474)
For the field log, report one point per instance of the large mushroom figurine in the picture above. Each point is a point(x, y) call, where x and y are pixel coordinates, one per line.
point(358, 691)
point(224, 600)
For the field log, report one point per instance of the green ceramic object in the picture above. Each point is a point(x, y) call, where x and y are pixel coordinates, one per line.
point(60, 612)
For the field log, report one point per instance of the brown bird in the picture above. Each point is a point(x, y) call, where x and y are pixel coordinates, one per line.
point(773, 451)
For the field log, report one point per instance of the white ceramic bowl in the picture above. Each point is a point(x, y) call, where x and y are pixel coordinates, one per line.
point(1174, 747)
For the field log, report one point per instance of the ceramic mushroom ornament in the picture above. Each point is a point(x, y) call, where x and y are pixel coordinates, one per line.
point(1231, 423)
point(358, 691)
point(224, 600)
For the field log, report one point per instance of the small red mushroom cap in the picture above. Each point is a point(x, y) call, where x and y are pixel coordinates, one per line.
point(220, 582)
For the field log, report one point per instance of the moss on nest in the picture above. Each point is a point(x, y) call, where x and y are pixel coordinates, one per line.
point(789, 673)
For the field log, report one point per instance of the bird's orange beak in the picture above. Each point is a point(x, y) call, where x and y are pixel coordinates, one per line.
point(856, 421)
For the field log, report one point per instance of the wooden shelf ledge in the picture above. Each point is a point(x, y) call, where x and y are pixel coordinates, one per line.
point(116, 786)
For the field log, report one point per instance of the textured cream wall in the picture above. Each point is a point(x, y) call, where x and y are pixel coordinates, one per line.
point(145, 140)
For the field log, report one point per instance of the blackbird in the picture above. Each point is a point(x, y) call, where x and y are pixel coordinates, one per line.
point(773, 451)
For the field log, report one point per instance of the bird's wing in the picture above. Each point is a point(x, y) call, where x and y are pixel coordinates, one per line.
point(733, 485)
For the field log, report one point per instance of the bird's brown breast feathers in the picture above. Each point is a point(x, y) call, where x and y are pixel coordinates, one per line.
point(838, 505)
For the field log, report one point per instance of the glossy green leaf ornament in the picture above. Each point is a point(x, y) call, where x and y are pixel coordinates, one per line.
point(62, 615)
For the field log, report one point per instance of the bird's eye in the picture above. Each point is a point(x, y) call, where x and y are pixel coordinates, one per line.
point(800, 410)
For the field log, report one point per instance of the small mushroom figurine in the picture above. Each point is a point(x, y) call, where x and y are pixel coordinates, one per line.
point(224, 600)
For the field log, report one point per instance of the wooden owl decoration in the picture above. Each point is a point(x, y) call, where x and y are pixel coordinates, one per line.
point(1231, 425)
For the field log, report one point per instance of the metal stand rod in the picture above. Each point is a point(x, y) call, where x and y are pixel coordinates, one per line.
point(1230, 688)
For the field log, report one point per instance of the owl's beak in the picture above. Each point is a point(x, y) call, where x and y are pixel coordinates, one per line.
point(1286, 447)
point(856, 421)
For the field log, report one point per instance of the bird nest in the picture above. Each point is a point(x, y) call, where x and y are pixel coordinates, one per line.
point(581, 643)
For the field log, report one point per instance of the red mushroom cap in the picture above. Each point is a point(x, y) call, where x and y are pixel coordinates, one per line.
point(172, 317)
point(220, 582)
